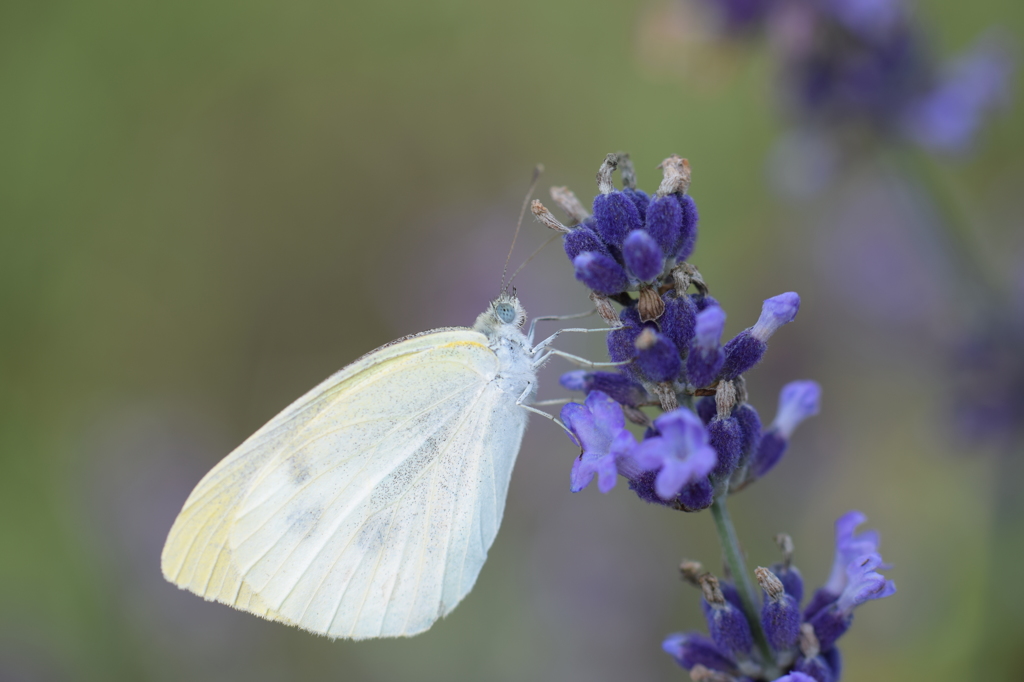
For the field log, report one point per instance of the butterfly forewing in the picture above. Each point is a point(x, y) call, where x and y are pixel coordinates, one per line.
point(367, 507)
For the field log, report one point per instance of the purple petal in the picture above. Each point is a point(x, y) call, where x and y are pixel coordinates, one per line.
point(776, 311)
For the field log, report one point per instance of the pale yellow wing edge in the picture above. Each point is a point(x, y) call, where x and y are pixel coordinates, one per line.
point(197, 555)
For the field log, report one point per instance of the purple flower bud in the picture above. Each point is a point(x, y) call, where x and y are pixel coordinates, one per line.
point(703, 301)
point(575, 380)
point(834, 659)
point(598, 427)
point(731, 594)
point(691, 648)
point(726, 438)
point(816, 668)
point(747, 348)
point(780, 616)
point(947, 118)
point(619, 387)
point(643, 256)
point(681, 454)
point(657, 357)
point(600, 273)
point(622, 341)
point(741, 353)
point(791, 580)
point(679, 319)
point(642, 483)
point(616, 216)
point(776, 311)
point(750, 428)
point(688, 228)
point(706, 355)
point(798, 400)
point(697, 495)
point(581, 239)
point(640, 200)
point(664, 220)
point(707, 408)
point(726, 623)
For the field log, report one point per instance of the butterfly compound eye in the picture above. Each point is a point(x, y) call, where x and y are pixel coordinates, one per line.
point(505, 312)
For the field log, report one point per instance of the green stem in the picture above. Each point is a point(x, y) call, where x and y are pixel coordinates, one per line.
point(738, 568)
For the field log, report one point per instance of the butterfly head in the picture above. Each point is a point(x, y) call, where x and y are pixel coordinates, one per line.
point(504, 312)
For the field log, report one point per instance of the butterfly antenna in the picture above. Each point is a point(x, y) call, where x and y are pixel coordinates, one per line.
point(532, 256)
point(537, 170)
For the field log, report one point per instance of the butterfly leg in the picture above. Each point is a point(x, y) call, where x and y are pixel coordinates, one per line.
point(533, 323)
point(582, 362)
point(548, 341)
point(521, 402)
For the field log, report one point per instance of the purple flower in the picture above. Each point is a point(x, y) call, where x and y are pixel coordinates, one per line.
point(726, 437)
point(691, 648)
point(726, 623)
point(664, 220)
point(688, 229)
point(616, 216)
point(850, 547)
point(680, 453)
point(706, 355)
point(600, 272)
point(947, 118)
point(599, 428)
point(679, 319)
point(639, 199)
point(780, 616)
point(775, 312)
point(643, 256)
point(581, 239)
point(622, 341)
point(747, 348)
point(816, 668)
point(657, 356)
point(863, 584)
point(619, 387)
point(798, 400)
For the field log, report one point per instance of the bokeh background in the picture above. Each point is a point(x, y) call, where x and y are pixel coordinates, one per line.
point(207, 207)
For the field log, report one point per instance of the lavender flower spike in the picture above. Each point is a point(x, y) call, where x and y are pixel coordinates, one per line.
point(798, 400)
point(599, 428)
point(747, 348)
point(681, 453)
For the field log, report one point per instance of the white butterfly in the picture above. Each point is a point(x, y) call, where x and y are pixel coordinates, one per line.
point(366, 508)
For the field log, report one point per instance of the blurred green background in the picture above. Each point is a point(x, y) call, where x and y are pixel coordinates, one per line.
point(209, 207)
